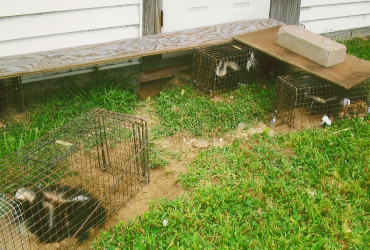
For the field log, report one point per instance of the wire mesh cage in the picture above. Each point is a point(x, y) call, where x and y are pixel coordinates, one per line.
point(222, 67)
point(12, 235)
point(72, 179)
point(303, 100)
point(11, 96)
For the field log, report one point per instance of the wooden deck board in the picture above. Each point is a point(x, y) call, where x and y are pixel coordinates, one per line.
point(125, 49)
point(346, 74)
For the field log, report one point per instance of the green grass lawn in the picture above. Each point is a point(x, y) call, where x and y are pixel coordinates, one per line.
point(186, 109)
point(307, 190)
point(300, 190)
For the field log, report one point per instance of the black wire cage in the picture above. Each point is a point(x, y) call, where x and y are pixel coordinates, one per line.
point(11, 96)
point(222, 67)
point(303, 100)
point(71, 180)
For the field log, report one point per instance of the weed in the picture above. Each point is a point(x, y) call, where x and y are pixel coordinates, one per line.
point(155, 157)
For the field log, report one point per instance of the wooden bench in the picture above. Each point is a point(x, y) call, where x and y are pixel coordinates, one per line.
point(46, 61)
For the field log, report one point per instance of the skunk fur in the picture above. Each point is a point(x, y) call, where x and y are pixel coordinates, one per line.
point(56, 212)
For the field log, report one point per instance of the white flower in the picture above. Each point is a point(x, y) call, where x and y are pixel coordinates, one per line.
point(165, 223)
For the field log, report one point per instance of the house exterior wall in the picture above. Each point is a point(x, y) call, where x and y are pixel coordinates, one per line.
point(180, 14)
point(41, 25)
point(326, 16)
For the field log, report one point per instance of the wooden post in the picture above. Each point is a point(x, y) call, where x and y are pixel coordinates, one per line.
point(152, 24)
point(286, 11)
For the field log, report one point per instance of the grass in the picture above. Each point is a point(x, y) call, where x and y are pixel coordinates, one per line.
point(359, 47)
point(297, 190)
point(186, 109)
point(55, 110)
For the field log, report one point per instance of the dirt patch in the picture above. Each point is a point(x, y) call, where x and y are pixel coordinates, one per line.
point(162, 184)
point(153, 88)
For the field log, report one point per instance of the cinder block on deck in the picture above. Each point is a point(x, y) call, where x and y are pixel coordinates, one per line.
point(317, 48)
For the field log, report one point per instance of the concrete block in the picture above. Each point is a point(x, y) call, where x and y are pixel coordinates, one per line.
point(317, 48)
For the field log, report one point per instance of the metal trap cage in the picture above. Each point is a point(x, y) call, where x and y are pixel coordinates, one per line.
point(303, 100)
point(11, 96)
point(12, 233)
point(72, 179)
point(225, 66)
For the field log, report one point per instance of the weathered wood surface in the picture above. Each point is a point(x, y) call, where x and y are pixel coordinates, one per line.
point(129, 48)
point(286, 11)
point(148, 17)
point(348, 34)
point(346, 74)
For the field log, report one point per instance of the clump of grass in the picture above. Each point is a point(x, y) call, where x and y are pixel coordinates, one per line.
point(300, 190)
point(187, 109)
point(156, 158)
point(55, 110)
point(359, 47)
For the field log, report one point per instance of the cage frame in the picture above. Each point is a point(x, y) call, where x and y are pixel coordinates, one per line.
point(11, 96)
point(116, 148)
point(305, 86)
point(252, 65)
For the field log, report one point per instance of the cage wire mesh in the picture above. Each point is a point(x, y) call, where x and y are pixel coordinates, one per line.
point(12, 234)
point(11, 97)
point(303, 100)
point(222, 67)
point(70, 180)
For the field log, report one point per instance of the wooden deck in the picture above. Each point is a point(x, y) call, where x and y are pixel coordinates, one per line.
point(40, 62)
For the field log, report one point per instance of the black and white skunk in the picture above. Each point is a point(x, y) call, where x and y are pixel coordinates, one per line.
point(221, 68)
point(321, 105)
point(57, 212)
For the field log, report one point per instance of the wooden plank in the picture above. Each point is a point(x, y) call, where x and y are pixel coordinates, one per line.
point(342, 35)
point(22, 27)
point(335, 24)
point(173, 61)
point(361, 32)
point(130, 48)
point(286, 11)
point(347, 74)
point(162, 73)
point(21, 7)
point(309, 3)
point(333, 11)
point(148, 17)
point(151, 26)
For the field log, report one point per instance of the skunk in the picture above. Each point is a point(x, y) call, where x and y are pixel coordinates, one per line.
point(345, 102)
point(221, 69)
point(325, 121)
point(252, 62)
point(56, 212)
point(320, 104)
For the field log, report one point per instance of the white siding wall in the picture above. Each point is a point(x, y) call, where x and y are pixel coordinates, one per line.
point(186, 14)
point(323, 16)
point(41, 25)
